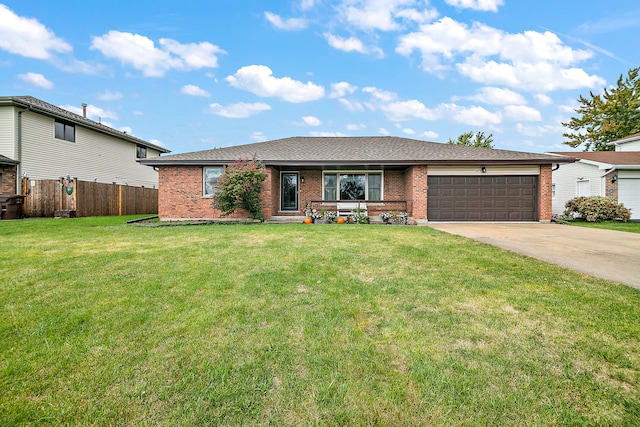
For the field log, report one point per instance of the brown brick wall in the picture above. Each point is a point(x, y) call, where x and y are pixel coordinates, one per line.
point(611, 187)
point(415, 185)
point(544, 193)
point(180, 195)
point(8, 176)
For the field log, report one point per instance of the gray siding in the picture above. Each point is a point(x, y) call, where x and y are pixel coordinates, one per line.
point(8, 132)
point(92, 157)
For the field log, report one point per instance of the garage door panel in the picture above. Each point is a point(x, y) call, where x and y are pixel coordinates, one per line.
point(482, 198)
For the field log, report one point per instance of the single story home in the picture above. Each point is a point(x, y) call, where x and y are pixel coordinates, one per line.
point(430, 181)
point(615, 174)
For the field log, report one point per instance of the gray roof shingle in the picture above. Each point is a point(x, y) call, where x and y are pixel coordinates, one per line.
point(370, 150)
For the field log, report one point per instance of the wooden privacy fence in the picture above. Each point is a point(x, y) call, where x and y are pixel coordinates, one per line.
point(44, 197)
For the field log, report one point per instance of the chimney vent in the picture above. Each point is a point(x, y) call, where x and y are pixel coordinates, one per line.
point(84, 110)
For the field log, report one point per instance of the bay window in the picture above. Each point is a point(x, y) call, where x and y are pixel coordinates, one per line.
point(352, 186)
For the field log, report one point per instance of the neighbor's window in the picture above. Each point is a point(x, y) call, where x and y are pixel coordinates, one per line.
point(141, 152)
point(210, 178)
point(65, 131)
point(352, 186)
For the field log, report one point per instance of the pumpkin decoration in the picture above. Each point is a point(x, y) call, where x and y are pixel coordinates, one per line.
point(340, 220)
point(307, 220)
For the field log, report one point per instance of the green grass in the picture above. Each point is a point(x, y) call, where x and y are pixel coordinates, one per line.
point(106, 324)
point(630, 227)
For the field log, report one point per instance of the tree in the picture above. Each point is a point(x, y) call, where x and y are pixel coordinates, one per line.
point(239, 186)
point(468, 139)
point(608, 117)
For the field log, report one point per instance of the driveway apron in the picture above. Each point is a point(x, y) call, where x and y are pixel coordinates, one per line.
point(612, 255)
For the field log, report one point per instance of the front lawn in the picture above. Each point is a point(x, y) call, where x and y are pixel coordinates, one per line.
point(631, 227)
point(105, 324)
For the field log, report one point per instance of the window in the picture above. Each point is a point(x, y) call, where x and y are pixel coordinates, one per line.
point(352, 186)
point(553, 191)
point(210, 179)
point(141, 152)
point(65, 131)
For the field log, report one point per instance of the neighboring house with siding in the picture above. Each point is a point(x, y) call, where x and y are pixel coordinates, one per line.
point(630, 143)
point(45, 142)
point(430, 181)
point(615, 174)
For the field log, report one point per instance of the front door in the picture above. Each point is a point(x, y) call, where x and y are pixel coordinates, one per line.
point(289, 191)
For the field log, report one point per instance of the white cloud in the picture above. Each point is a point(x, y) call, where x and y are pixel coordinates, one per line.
point(384, 14)
point(352, 44)
point(194, 90)
point(338, 90)
point(258, 136)
point(259, 80)
point(351, 105)
point(36, 79)
point(483, 5)
point(327, 134)
point(408, 131)
point(543, 99)
point(311, 121)
point(473, 116)
point(429, 134)
point(540, 130)
point(240, 110)
point(384, 131)
point(28, 37)
point(306, 4)
point(498, 96)
point(407, 110)
point(522, 113)
point(141, 53)
point(379, 94)
point(291, 24)
point(530, 60)
point(93, 112)
point(355, 126)
point(109, 96)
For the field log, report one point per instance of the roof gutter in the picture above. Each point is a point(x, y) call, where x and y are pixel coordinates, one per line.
point(160, 161)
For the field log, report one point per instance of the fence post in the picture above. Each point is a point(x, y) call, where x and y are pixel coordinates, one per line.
point(119, 200)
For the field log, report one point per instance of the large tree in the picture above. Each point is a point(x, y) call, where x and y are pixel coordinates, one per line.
point(608, 117)
point(468, 139)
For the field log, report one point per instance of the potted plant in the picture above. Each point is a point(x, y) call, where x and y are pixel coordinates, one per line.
point(394, 217)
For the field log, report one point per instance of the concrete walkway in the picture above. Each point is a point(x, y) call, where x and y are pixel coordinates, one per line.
point(612, 255)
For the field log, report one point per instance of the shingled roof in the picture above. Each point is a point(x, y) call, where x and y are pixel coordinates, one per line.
point(614, 158)
point(7, 161)
point(35, 104)
point(370, 150)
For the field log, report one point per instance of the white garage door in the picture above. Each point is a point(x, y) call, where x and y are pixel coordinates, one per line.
point(629, 194)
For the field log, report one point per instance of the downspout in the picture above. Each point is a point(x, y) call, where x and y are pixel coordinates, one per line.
point(556, 168)
point(19, 174)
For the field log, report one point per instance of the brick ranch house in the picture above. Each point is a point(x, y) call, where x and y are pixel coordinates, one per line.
point(430, 181)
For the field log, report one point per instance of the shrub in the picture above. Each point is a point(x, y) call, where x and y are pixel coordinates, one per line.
point(596, 208)
point(239, 187)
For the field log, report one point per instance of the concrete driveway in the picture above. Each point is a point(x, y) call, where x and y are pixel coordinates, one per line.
point(612, 255)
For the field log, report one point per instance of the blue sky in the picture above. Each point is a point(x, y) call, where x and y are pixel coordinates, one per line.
point(194, 75)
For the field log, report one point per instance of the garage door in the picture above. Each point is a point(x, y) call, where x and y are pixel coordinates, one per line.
point(629, 194)
point(482, 198)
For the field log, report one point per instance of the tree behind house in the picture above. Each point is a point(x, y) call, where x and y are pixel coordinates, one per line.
point(608, 117)
point(468, 139)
